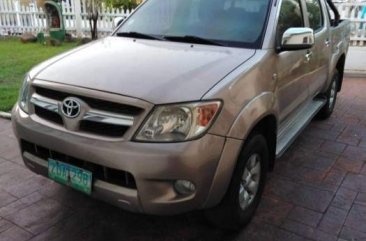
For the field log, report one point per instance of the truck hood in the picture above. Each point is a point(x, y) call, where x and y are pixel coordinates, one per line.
point(155, 71)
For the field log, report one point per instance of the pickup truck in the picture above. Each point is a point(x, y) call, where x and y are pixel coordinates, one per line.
point(186, 106)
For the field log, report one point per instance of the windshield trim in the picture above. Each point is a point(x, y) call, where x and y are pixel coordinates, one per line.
point(271, 4)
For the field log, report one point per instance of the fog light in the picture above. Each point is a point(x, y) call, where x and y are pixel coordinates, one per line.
point(184, 187)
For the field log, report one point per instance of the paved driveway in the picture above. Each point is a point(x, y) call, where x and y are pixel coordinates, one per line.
point(317, 192)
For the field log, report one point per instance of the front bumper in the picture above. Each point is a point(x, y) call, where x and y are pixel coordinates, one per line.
point(207, 162)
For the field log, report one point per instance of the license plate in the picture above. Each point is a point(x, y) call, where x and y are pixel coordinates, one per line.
point(70, 175)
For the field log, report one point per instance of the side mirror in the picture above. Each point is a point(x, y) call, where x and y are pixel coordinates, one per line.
point(117, 21)
point(297, 39)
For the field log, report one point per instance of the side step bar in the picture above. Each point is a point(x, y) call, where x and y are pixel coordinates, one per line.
point(292, 127)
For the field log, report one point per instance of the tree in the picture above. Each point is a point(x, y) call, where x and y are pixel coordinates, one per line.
point(93, 7)
point(125, 4)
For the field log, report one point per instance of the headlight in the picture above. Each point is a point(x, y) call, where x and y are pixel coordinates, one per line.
point(24, 94)
point(181, 122)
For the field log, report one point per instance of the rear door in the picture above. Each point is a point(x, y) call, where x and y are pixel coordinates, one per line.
point(321, 51)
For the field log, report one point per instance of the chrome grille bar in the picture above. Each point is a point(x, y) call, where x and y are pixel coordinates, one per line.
point(91, 115)
point(45, 103)
point(108, 118)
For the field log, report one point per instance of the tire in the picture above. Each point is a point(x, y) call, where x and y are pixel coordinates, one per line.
point(233, 212)
point(331, 96)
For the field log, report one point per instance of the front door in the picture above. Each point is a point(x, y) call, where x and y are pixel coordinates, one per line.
point(292, 66)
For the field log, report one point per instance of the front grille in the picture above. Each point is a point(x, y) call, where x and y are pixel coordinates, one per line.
point(48, 115)
point(104, 118)
point(92, 102)
point(102, 129)
point(110, 175)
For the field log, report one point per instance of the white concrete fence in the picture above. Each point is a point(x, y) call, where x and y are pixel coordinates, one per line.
point(353, 12)
point(16, 18)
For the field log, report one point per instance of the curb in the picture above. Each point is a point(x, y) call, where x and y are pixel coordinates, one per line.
point(355, 73)
point(5, 115)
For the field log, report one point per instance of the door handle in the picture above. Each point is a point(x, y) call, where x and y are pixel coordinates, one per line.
point(327, 42)
point(308, 56)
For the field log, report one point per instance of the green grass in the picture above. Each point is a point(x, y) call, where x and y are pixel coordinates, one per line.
point(16, 59)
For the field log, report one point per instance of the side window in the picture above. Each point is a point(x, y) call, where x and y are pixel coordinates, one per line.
point(315, 14)
point(290, 16)
point(330, 14)
point(328, 11)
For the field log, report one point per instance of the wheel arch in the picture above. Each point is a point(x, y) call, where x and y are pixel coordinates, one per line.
point(267, 126)
point(259, 115)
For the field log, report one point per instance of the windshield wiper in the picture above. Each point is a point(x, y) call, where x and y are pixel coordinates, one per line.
point(139, 35)
point(192, 39)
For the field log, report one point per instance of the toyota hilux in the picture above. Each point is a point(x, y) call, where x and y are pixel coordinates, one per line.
point(186, 105)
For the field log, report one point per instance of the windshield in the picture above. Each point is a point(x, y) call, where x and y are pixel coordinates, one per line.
point(235, 23)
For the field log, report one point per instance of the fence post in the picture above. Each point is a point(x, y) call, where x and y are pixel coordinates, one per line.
point(17, 10)
point(77, 13)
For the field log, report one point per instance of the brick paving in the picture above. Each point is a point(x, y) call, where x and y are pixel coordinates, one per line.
point(316, 192)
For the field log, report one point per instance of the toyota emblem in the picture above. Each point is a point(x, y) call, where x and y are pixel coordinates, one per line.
point(71, 107)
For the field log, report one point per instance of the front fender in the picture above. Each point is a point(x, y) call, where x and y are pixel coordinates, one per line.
point(259, 107)
point(255, 110)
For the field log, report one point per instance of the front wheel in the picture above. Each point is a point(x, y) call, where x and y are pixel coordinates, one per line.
point(331, 96)
point(246, 187)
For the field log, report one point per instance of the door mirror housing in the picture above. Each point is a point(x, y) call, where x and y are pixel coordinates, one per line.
point(117, 21)
point(297, 39)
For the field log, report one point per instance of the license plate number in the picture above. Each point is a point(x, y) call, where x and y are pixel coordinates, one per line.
point(70, 175)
